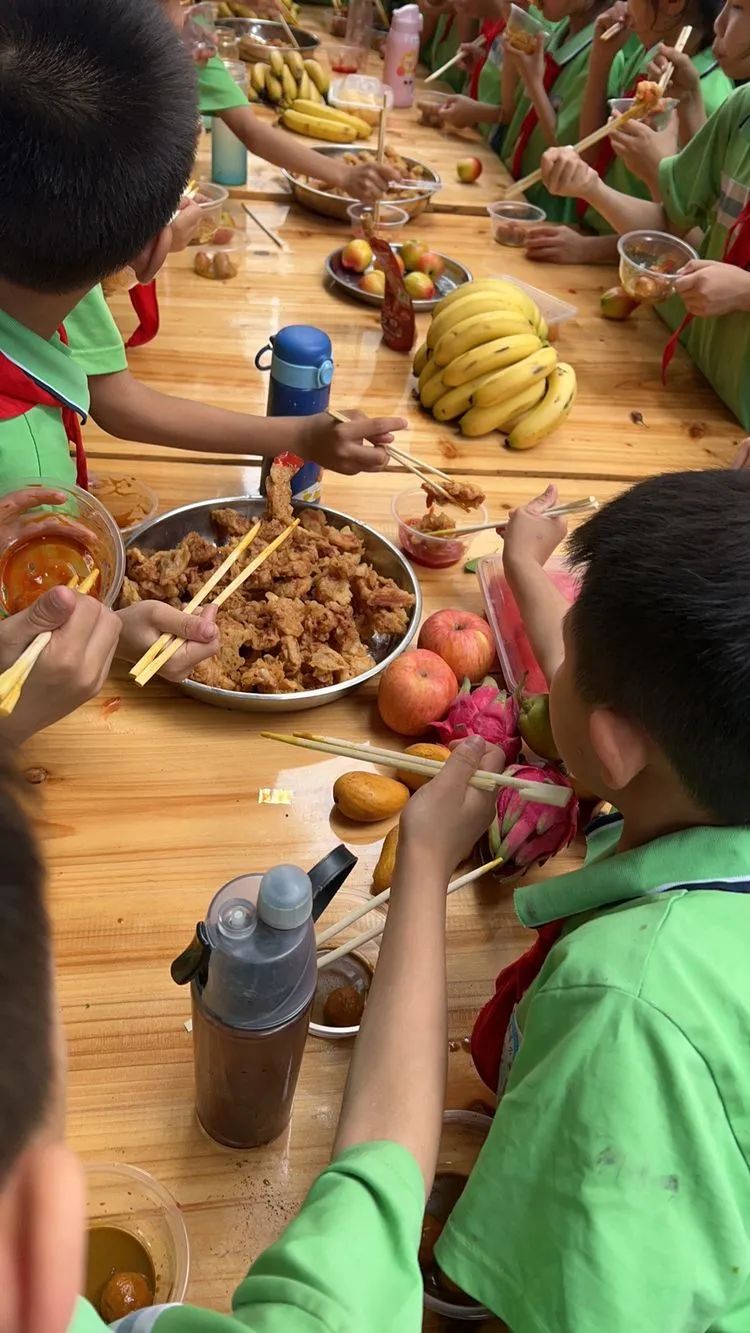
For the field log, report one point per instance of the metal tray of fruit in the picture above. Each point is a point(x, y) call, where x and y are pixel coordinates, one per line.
point(336, 206)
point(259, 36)
point(349, 282)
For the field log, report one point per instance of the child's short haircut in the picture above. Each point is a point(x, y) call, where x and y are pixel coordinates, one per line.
point(661, 629)
point(26, 1036)
point(98, 117)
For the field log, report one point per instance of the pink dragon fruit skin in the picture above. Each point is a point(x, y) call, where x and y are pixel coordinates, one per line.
point(487, 712)
point(527, 833)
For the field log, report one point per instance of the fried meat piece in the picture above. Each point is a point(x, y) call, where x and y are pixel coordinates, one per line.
point(159, 574)
point(202, 552)
point(129, 593)
point(230, 523)
point(462, 493)
point(287, 614)
point(279, 492)
point(434, 520)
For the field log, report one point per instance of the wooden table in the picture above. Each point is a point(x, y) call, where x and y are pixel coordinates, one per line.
point(149, 802)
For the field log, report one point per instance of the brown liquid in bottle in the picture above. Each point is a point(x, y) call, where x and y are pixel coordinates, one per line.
point(245, 1080)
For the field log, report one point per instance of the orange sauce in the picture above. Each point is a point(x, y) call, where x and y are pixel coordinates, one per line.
point(31, 567)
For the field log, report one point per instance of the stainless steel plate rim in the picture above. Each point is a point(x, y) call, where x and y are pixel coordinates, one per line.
point(246, 27)
point(308, 194)
point(369, 298)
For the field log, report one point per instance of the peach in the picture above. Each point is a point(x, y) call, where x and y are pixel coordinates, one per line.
point(373, 282)
point(432, 264)
point(411, 253)
point(420, 286)
point(468, 170)
point(356, 256)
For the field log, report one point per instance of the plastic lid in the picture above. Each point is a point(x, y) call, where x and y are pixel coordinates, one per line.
point(285, 897)
point(408, 16)
point(302, 345)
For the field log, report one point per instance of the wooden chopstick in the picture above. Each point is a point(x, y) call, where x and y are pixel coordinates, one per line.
point(544, 792)
point(13, 680)
point(419, 462)
point(479, 42)
point(267, 230)
point(557, 511)
point(381, 149)
point(636, 112)
point(88, 583)
point(200, 597)
point(337, 416)
point(679, 46)
point(612, 30)
point(382, 13)
point(155, 666)
point(285, 25)
point(412, 465)
point(359, 940)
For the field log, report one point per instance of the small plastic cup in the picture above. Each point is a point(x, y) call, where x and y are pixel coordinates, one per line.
point(650, 262)
point(212, 201)
point(364, 958)
point(523, 30)
point(227, 44)
point(511, 221)
point(337, 21)
point(463, 1137)
point(421, 547)
point(389, 218)
point(348, 59)
point(131, 1200)
point(429, 102)
point(658, 121)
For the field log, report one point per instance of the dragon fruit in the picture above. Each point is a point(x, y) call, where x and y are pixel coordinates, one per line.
point(487, 712)
point(527, 833)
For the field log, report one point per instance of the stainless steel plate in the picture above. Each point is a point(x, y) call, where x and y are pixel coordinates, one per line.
point(454, 275)
point(334, 206)
point(264, 31)
point(168, 530)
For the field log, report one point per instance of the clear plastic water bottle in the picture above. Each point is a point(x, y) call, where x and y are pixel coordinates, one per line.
point(228, 153)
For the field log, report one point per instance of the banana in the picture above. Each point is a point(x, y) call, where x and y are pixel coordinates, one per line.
point(317, 128)
point(475, 331)
point(295, 64)
point(512, 296)
point(433, 389)
point(289, 84)
point(474, 303)
point(276, 61)
point(420, 359)
point(305, 90)
point(252, 96)
point(554, 407)
point(517, 407)
point(274, 88)
point(426, 373)
point(309, 108)
point(502, 386)
point(456, 401)
point(318, 75)
point(493, 356)
point(258, 76)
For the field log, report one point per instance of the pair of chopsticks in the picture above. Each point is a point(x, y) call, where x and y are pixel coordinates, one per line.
point(423, 471)
point(272, 235)
point(544, 792)
point(612, 30)
point(13, 680)
point(638, 111)
point(334, 954)
point(282, 20)
point(679, 46)
point(557, 511)
point(478, 43)
point(167, 645)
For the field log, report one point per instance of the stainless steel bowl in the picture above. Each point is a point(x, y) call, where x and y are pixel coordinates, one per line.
point(261, 32)
point(335, 206)
point(343, 280)
point(168, 530)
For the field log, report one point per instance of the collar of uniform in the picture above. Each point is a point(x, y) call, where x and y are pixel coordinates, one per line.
point(567, 48)
point(704, 855)
point(48, 363)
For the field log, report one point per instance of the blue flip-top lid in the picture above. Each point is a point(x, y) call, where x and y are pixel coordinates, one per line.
point(302, 357)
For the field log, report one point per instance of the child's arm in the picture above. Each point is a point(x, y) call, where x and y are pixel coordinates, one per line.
point(531, 69)
point(594, 107)
point(368, 181)
point(530, 540)
point(565, 245)
point(460, 113)
point(565, 173)
point(130, 410)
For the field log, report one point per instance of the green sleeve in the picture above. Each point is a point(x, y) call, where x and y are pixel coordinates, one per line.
point(346, 1264)
point(94, 338)
point(217, 90)
point(690, 182)
point(611, 1193)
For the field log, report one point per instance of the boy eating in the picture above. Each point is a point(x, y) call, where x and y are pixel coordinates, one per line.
point(613, 1192)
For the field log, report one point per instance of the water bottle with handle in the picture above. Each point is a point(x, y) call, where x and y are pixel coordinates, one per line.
point(402, 53)
point(301, 372)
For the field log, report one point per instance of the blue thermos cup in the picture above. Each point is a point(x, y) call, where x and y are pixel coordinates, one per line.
point(301, 369)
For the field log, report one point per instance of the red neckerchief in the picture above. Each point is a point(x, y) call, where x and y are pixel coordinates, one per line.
point(146, 306)
point(531, 119)
point(737, 252)
point(605, 155)
point(19, 393)
point(488, 1036)
point(491, 29)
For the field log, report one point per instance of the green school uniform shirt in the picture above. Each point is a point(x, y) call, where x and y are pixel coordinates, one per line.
point(217, 90)
point(716, 88)
point(346, 1264)
point(443, 47)
point(490, 79)
point(572, 53)
point(613, 1192)
point(707, 186)
point(93, 337)
point(35, 445)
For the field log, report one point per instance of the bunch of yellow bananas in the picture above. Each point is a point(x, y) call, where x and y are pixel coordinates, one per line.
point(286, 78)
point(487, 363)
point(231, 9)
point(324, 122)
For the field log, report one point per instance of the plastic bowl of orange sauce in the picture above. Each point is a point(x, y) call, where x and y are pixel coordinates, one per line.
point(48, 541)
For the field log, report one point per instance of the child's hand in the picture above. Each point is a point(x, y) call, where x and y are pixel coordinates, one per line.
point(530, 65)
point(642, 149)
point(529, 536)
point(685, 81)
point(339, 445)
point(460, 113)
point(143, 624)
point(46, 523)
point(617, 13)
point(73, 666)
point(565, 173)
point(445, 818)
point(471, 54)
point(369, 181)
point(709, 287)
point(556, 245)
point(184, 225)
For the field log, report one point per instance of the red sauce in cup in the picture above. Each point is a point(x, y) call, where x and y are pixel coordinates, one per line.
point(31, 567)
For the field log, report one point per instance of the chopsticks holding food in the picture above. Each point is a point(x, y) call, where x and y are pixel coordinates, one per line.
point(544, 792)
point(144, 676)
point(13, 680)
point(366, 936)
point(423, 471)
point(556, 511)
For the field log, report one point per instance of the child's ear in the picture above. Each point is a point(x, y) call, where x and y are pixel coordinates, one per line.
point(153, 256)
point(51, 1237)
point(620, 748)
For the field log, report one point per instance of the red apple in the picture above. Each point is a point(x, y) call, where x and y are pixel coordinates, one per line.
point(373, 282)
point(463, 640)
point(420, 286)
point(415, 690)
point(356, 256)
point(469, 169)
point(432, 264)
point(411, 253)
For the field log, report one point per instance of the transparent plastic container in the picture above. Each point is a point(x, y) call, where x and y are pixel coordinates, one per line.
point(511, 221)
point(131, 1200)
point(554, 310)
point(650, 262)
point(513, 648)
point(362, 217)
point(356, 969)
point(128, 499)
point(523, 30)
point(362, 95)
point(463, 1137)
point(422, 547)
point(659, 121)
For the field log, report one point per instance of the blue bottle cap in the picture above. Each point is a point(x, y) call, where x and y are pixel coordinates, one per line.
point(302, 345)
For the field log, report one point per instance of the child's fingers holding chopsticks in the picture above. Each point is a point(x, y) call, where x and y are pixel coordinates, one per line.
point(143, 623)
